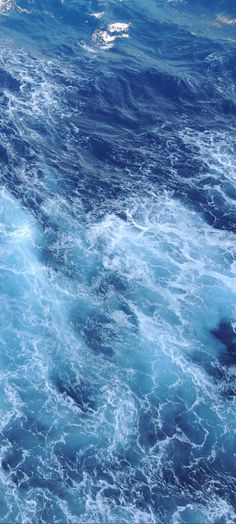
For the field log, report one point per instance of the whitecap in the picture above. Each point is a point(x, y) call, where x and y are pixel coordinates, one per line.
point(118, 27)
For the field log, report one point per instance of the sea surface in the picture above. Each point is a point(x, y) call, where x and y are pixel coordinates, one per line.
point(117, 262)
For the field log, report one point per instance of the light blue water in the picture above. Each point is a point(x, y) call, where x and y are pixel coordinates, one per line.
point(117, 267)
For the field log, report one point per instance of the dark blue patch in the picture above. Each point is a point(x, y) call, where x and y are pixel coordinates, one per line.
point(149, 434)
point(3, 155)
point(75, 389)
point(227, 336)
point(112, 282)
point(7, 81)
point(112, 493)
point(11, 458)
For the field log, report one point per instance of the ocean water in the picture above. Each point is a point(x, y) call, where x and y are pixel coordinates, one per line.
point(117, 266)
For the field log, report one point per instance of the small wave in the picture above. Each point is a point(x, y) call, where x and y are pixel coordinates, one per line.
point(105, 38)
point(223, 19)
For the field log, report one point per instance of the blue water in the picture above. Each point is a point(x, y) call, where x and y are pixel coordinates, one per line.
point(117, 267)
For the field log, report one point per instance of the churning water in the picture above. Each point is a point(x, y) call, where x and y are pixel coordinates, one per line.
point(117, 267)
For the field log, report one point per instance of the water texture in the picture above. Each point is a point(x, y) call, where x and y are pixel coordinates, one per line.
point(117, 266)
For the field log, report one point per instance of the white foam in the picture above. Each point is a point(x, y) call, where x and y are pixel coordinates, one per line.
point(168, 254)
point(118, 27)
point(216, 151)
point(106, 38)
point(224, 19)
point(6, 5)
point(103, 36)
point(98, 15)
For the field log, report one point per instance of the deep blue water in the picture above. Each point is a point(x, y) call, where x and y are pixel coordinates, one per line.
point(117, 267)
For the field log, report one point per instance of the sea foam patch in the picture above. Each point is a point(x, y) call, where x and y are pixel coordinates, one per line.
point(105, 38)
point(132, 401)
